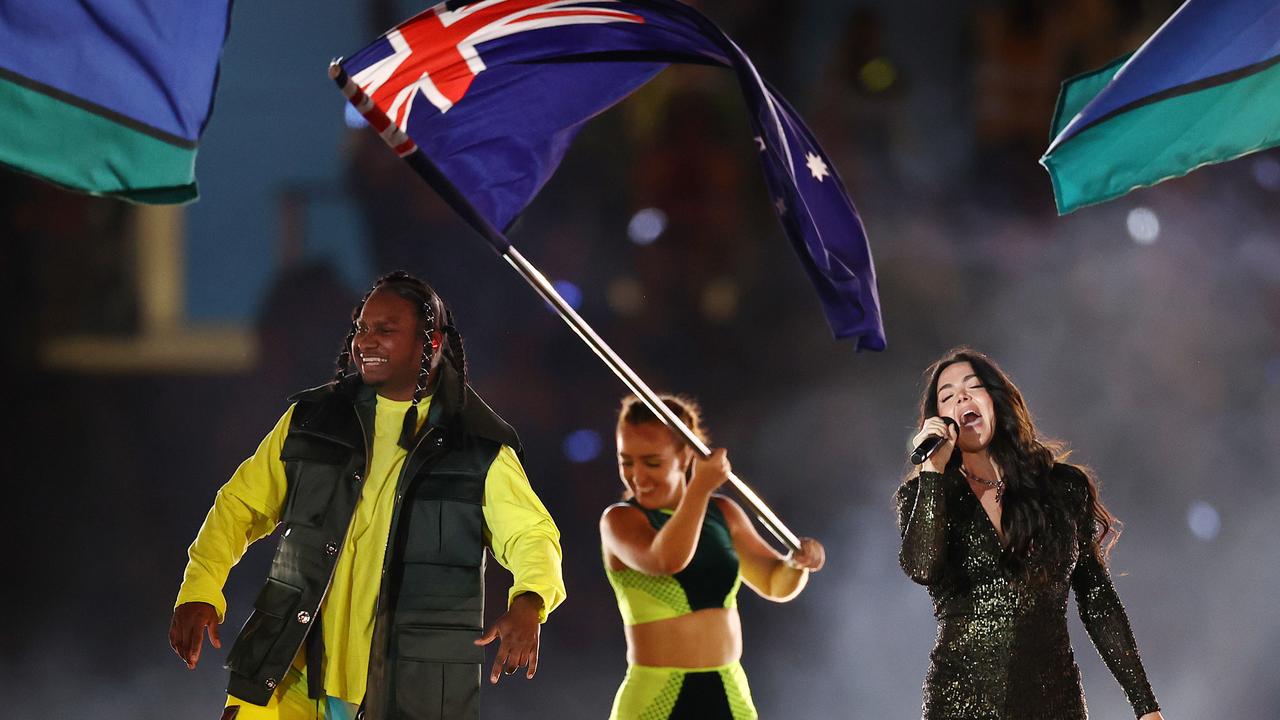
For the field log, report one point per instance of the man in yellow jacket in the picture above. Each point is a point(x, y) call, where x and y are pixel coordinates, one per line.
point(390, 483)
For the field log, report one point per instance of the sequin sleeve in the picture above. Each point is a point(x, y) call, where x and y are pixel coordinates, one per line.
point(1105, 619)
point(923, 524)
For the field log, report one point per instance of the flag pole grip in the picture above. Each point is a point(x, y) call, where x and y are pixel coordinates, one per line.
point(547, 291)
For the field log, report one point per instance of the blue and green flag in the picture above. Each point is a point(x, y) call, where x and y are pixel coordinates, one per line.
point(109, 96)
point(1203, 89)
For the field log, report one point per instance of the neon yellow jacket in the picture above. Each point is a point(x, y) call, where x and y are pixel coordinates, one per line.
point(518, 530)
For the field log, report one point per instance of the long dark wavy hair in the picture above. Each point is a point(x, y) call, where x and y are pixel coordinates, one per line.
point(1037, 511)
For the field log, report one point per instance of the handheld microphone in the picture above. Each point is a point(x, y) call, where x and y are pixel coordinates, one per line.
point(930, 444)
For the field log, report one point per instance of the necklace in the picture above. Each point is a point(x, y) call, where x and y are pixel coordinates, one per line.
point(998, 483)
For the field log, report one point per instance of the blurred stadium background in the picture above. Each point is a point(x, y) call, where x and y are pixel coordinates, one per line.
point(150, 349)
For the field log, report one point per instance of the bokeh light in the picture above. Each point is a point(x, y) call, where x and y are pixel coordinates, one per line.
point(1143, 225)
point(581, 446)
point(646, 226)
point(352, 117)
point(571, 293)
point(878, 75)
point(719, 302)
point(1266, 172)
point(625, 296)
point(1203, 520)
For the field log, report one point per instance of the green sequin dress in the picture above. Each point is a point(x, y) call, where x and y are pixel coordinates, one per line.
point(1002, 649)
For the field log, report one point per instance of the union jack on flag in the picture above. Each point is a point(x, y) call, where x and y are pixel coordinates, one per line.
point(484, 98)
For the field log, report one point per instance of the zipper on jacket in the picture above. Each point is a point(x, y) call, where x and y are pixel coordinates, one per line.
point(395, 517)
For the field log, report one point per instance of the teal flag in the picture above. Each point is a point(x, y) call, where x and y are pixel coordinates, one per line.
point(109, 96)
point(1203, 89)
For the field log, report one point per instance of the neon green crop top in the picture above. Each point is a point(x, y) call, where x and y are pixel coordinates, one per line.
point(711, 580)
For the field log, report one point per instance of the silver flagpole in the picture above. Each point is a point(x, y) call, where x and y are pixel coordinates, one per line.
point(628, 376)
point(404, 146)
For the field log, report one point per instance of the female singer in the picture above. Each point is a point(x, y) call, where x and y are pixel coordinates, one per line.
point(998, 532)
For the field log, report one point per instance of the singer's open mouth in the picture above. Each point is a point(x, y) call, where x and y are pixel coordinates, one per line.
point(970, 418)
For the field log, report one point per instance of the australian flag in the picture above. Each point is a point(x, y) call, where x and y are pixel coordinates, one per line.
point(484, 98)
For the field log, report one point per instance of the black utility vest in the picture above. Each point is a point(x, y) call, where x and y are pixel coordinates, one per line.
point(423, 664)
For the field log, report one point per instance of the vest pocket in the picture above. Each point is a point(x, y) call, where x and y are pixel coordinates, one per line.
point(437, 672)
point(264, 627)
point(312, 468)
point(310, 488)
point(444, 532)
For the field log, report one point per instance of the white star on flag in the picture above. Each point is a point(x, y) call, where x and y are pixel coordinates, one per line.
point(817, 167)
point(760, 142)
point(781, 205)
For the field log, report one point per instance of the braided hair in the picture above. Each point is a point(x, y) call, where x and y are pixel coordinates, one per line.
point(434, 316)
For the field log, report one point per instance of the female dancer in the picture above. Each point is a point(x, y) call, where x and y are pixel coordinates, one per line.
point(997, 532)
point(675, 554)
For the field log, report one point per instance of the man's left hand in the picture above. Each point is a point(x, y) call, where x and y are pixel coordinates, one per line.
point(517, 632)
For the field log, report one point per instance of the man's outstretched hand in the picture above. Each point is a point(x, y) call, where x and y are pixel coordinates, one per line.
point(517, 632)
point(187, 629)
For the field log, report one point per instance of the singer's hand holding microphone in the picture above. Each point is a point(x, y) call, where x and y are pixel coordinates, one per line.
point(934, 444)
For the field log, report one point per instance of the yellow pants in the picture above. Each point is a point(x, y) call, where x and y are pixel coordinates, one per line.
point(290, 702)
